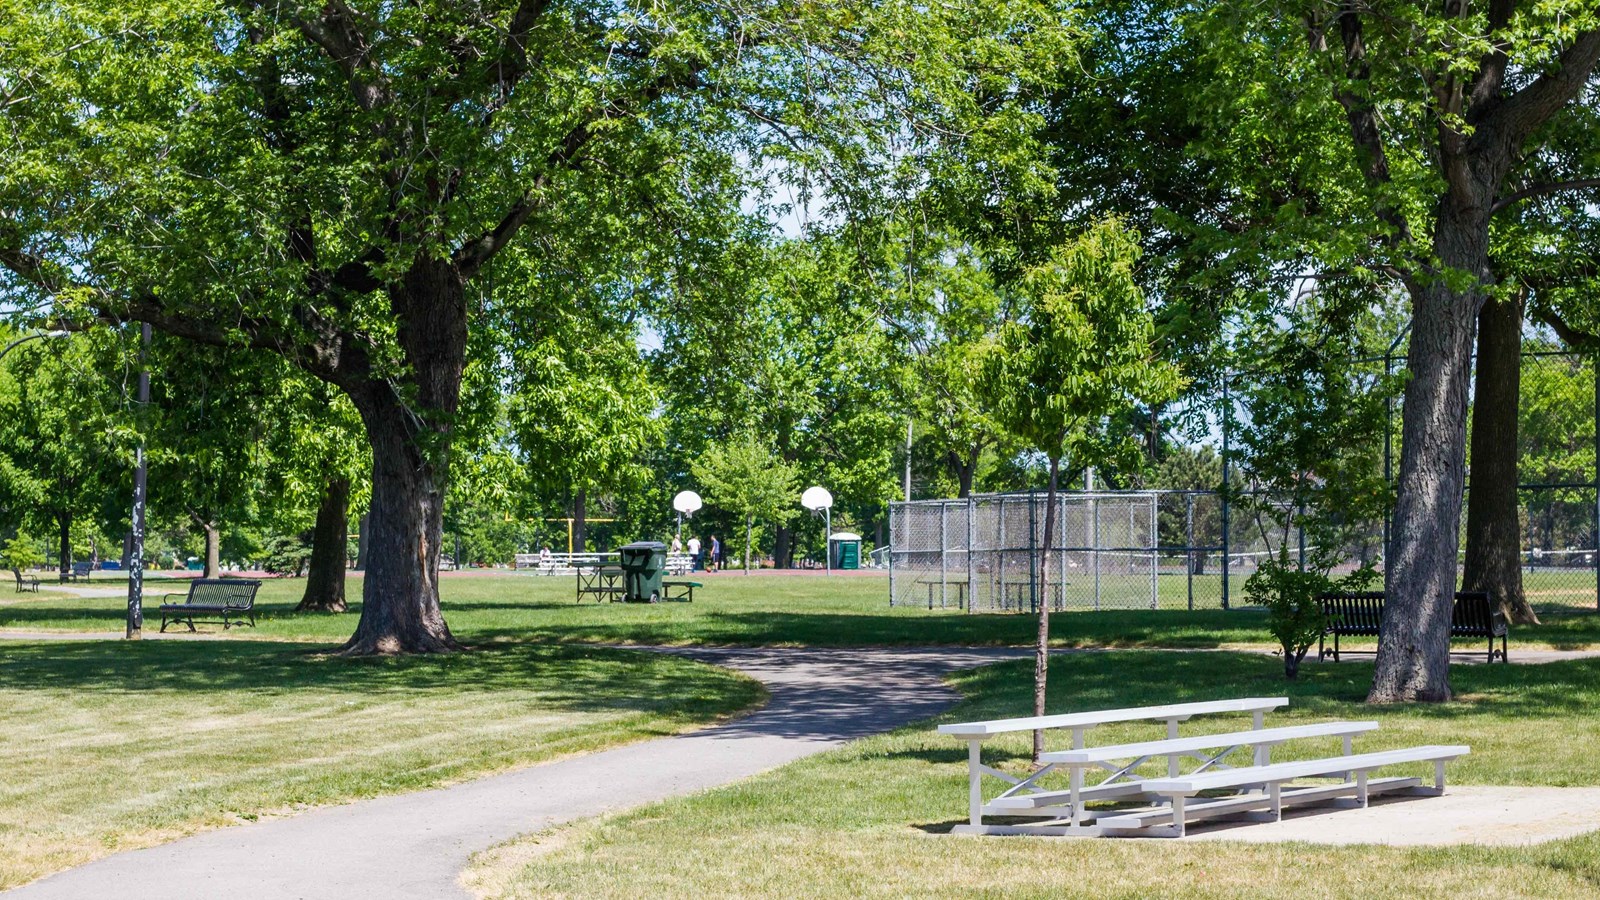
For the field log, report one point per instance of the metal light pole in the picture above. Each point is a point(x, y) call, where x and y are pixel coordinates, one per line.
point(31, 337)
point(140, 471)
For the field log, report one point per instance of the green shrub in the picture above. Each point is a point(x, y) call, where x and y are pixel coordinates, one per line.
point(21, 553)
point(1289, 594)
point(285, 555)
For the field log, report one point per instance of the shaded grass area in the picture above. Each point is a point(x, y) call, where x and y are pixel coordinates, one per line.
point(759, 610)
point(109, 746)
point(866, 820)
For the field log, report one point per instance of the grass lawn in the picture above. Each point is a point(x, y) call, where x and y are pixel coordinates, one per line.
point(109, 746)
point(733, 609)
point(866, 820)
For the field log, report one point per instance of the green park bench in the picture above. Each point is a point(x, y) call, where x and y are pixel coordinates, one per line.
point(679, 591)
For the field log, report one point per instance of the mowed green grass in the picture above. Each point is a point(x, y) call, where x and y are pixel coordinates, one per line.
point(110, 745)
point(869, 820)
point(733, 609)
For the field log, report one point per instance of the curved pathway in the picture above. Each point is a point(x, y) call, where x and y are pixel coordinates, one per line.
point(416, 845)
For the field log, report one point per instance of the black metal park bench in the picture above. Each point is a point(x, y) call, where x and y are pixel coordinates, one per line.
point(80, 572)
point(1361, 615)
point(25, 582)
point(233, 600)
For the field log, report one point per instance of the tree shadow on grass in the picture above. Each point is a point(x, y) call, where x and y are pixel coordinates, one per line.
point(556, 677)
point(1119, 679)
point(776, 628)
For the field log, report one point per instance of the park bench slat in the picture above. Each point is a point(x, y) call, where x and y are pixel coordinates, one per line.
point(232, 598)
point(1109, 753)
point(1172, 712)
point(1186, 785)
point(1141, 821)
point(1360, 614)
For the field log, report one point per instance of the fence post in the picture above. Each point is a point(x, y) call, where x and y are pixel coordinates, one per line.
point(1155, 552)
point(1094, 541)
point(1033, 562)
point(1188, 545)
point(944, 553)
point(1227, 451)
point(1000, 550)
point(972, 547)
point(890, 554)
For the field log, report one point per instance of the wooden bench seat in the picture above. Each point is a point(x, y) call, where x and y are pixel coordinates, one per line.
point(230, 599)
point(1353, 770)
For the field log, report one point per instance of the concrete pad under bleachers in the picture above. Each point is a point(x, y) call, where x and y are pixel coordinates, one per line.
point(1486, 816)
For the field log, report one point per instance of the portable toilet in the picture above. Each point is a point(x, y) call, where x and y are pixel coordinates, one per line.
point(845, 548)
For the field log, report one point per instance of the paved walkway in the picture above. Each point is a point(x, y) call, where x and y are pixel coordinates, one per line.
point(416, 845)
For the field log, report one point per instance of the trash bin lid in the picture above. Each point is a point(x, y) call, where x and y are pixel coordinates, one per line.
point(644, 545)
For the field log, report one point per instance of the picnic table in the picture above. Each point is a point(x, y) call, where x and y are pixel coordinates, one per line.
point(597, 579)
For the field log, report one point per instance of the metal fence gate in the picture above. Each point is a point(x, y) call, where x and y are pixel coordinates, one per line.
point(984, 552)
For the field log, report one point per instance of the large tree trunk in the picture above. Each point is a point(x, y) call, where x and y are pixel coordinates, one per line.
point(1420, 577)
point(1041, 650)
point(325, 575)
point(64, 543)
point(782, 547)
point(213, 549)
point(580, 503)
point(361, 543)
point(410, 437)
point(1494, 528)
point(749, 531)
point(964, 467)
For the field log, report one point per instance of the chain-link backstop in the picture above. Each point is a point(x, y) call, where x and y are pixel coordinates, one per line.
point(985, 552)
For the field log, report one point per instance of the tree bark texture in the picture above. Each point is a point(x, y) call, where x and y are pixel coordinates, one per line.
point(964, 467)
point(326, 571)
point(1494, 527)
point(782, 547)
point(409, 430)
point(213, 549)
point(1420, 577)
point(64, 543)
point(1041, 650)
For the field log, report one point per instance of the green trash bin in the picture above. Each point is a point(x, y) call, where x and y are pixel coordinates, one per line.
point(644, 564)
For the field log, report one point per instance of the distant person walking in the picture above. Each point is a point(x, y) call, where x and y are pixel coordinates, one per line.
point(716, 554)
point(694, 554)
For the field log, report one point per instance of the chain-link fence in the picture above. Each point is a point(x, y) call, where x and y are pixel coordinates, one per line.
point(1559, 552)
point(985, 552)
point(1175, 549)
